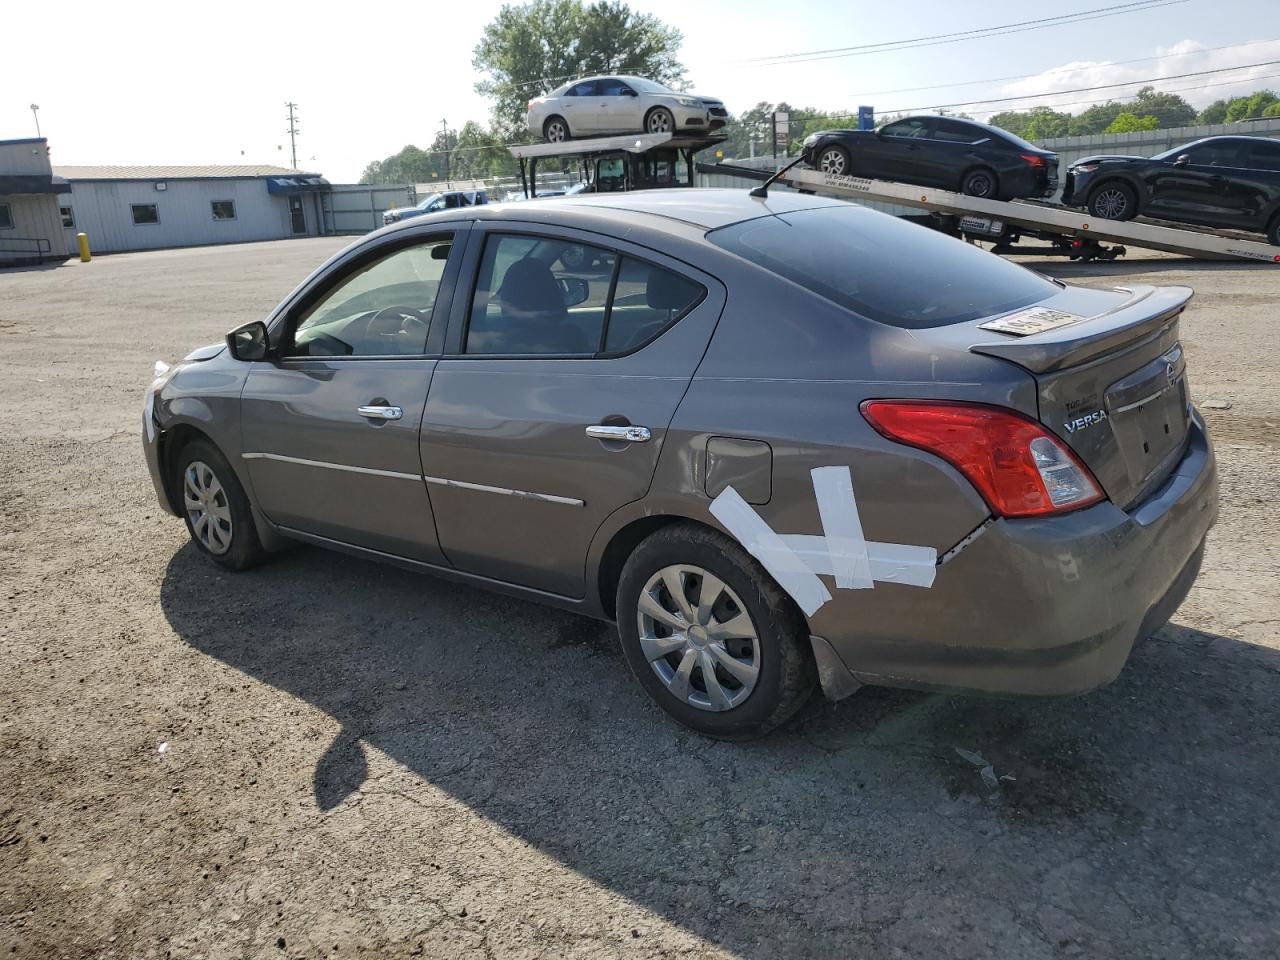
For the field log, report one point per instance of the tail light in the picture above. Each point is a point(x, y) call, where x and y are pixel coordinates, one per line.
point(1020, 468)
point(529, 105)
point(1033, 160)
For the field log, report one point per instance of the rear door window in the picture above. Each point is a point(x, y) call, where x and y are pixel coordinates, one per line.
point(1220, 153)
point(587, 88)
point(884, 268)
point(954, 132)
point(1264, 156)
point(647, 300)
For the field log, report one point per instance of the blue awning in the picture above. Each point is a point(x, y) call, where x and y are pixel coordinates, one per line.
point(296, 184)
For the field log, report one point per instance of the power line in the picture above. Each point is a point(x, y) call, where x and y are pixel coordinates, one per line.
point(293, 135)
point(1045, 73)
point(890, 46)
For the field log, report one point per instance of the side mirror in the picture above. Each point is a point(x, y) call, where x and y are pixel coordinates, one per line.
point(574, 290)
point(249, 342)
point(1182, 160)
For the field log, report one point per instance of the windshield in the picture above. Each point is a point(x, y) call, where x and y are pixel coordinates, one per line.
point(647, 86)
point(884, 268)
point(425, 204)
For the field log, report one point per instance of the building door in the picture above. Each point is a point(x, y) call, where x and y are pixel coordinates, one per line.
point(297, 215)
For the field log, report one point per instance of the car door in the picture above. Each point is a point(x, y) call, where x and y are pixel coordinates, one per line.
point(620, 108)
point(1195, 190)
point(542, 419)
point(897, 151)
point(946, 153)
point(582, 107)
point(330, 426)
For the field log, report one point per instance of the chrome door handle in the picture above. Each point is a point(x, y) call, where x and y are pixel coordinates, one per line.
point(380, 413)
point(626, 434)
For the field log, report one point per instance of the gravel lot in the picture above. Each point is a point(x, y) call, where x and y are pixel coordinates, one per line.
point(327, 757)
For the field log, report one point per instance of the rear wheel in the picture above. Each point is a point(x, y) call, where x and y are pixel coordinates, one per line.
point(710, 636)
point(1273, 231)
point(660, 120)
point(555, 130)
point(1113, 201)
point(215, 507)
point(835, 160)
point(980, 183)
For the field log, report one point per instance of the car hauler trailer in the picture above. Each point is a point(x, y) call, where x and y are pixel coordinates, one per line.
point(634, 161)
point(1004, 223)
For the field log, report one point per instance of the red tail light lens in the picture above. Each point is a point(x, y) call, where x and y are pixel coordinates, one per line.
point(1033, 160)
point(529, 105)
point(1020, 468)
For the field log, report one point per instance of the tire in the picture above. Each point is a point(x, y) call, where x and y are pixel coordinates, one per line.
point(207, 489)
point(833, 159)
point(659, 120)
point(1273, 231)
point(1113, 200)
point(773, 639)
point(556, 130)
point(981, 182)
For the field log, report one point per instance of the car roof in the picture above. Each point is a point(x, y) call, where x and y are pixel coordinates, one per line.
point(706, 207)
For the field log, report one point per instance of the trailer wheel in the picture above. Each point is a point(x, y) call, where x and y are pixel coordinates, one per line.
point(1113, 200)
point(980, 182)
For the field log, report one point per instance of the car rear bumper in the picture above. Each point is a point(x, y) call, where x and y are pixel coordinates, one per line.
point(1036, 607)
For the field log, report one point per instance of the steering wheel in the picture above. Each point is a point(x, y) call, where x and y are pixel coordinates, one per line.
point(402, 329)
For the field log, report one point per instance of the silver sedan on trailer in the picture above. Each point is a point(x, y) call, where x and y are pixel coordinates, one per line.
point(781, 441)
point(596, 106)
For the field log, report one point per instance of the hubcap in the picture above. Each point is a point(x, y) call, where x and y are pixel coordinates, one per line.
point(1111, 204)
point(659, 122)
point(979, 186)
point(698, 638)
point(207, 507)
point(555, 132)
point(831, 162)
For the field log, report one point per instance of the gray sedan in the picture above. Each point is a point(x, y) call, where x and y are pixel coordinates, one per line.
point(783, 442)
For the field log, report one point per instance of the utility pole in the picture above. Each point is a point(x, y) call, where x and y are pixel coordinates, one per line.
point(293, 135)
point(444, 129)
point(35, 107)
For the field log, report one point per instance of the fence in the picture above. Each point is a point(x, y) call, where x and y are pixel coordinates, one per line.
point(356, 208)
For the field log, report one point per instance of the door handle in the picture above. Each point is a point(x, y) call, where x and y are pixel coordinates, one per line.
point(380, 413)
point(626, 434)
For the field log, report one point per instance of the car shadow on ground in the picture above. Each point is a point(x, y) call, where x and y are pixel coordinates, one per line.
point(1136, 821)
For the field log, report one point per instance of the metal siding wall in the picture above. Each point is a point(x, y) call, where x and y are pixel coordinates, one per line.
point(357, 208)
point(36, 216)
point(24, 159)
point(102, 210)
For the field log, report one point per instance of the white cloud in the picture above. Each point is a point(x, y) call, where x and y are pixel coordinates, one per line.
point(1186, 56)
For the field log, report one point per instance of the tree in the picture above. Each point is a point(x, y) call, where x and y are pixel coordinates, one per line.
point(1045, 122)
point(1095, 119)
point(530, 49)
point(1215, 112)
point(1015, 121)
point(1131, 123)
point(1250, 107)
point(1272, 111)
point(1169, 109)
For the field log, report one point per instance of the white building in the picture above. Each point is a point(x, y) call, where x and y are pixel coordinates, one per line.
point(30, 222)
point(144, 208)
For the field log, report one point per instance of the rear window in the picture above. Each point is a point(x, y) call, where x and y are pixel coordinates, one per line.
point(884, 268)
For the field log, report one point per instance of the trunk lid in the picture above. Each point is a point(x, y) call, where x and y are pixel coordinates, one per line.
point(1112, 385)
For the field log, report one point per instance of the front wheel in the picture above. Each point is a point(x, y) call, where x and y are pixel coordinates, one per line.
point(710, 636)
point(834, 160)
point(215, 507)
point(660, 120)
point(1113, 201)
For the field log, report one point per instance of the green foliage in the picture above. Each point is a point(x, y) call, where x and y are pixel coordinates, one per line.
point(1215, 112)
point(473, 153)
point(1247, 108)
point(532, 48)
point(1132, 123)
point(1272, 111)
point(1045, 122)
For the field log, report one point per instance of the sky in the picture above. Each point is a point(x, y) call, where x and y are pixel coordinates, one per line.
point(136, 82)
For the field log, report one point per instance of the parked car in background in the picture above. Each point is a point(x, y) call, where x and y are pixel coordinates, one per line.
point(781, 442)
point(436, 202)
point(596, 106)
point(1231, 182)
point(962, 155)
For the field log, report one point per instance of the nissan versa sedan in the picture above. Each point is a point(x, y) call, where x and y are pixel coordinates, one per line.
point(945, 152)
point(783, 442)
point(596, 106)
point(1231, 182)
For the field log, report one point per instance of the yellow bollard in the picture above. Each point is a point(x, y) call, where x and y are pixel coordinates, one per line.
point(83, 240)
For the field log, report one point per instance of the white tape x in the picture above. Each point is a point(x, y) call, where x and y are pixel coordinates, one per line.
point(842, 552)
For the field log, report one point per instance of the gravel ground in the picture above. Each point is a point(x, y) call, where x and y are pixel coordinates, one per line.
point(327, 757)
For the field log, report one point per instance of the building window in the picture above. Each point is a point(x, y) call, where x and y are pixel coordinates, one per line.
point(6, 217)
point(224, 209)
point(145, 213)
point(68, 218)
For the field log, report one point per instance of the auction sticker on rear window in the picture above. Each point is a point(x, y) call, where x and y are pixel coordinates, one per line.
point(1032, 320)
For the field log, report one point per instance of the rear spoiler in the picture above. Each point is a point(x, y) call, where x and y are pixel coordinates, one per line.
point(1147, 312)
